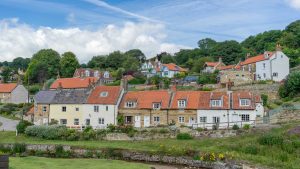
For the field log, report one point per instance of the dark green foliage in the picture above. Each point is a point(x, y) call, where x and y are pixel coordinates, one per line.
point(22, 126)
point(270, 140)
point(251, 149)
point(246, 127)
point(33, 89)
point(235, 127)
point(19, 148)
point(137, 80)
point(264, 98)
point(60, 152)
point(291, 86)
point(208, 78)
point(164, 131)
point(184, 136)
point(6, 73)
point(68, 64)
point(120, 120)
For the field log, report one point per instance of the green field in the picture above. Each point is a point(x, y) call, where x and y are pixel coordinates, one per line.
point(245, 147)
point(51, 163)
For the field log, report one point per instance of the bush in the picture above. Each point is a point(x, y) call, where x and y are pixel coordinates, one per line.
point(235, 127)
point(111, 128)
point(137, 80)
point(184, 136)
point(163, 131)
point(19, 148)
point(270, 140)
point(22, 126)
point(246, 127)
point(100, 134)
point(215, 127)
point(264, 98)
point(60, 152)
point(251, 149)
point(49, 132)
point(199, 129)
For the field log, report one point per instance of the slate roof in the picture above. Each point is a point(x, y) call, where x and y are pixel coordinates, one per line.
point(73, 96)
point(45, 96)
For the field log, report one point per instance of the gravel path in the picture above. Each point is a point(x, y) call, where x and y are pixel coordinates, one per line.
point(8, 124)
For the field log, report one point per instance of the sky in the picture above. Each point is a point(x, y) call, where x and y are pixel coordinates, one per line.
point(98, 27)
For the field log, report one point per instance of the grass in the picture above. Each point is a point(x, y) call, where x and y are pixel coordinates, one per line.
point(244, 147)
point(50, 163)
point(0, 124)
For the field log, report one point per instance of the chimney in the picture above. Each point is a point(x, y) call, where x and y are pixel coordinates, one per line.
point(124, 84)
point(278, 47)
point(220, 59)
point(248, 55)
point(266, 55)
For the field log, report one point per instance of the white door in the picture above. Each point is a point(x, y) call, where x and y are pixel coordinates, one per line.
point(137, 121)
point(146, 121)
point(191, 121)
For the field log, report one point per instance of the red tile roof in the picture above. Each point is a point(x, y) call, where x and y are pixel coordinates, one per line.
point(206, 97)
point(211, 64)
point(174, 67)
point(255, 59)
point(145, 99)
point(113, 93)
point(236, 96)
point(73, 83)
point(7, 87)
point(191, 97)
point(226, 67)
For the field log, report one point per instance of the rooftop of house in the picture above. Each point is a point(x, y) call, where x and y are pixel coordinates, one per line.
point(104, 95)
point(45, 96)
point(174, 67)
point(7, 87)
point(78, 96)
point(226, 67)
point(73, 83)
point(236, 96)
point(257, 58)
point(211, 64)
point(191, 98)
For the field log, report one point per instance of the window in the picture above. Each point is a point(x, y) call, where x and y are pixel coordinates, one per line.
point(156, 119)
point(181, 119)
point(181, 103)
point(275, 74)
point(76, 121)
point(156, 105)
point(166, 73)
point(87, 122)
point(64, 109)
point(77, 109)
point(216, 119)
point(103, 94)
point(264, 75)
point(130, 104)
point(87, 73)
point(106, 75)
point(96, 108)
point(245, 102)
point(101, 120)
point(216, 103)
point(128, 119)
point(106, 108)
point(44, 109)
point(63, 121)
point(203, 119)
point(245, 117)
point(264, 65)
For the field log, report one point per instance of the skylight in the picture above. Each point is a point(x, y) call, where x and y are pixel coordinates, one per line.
point(103, 94)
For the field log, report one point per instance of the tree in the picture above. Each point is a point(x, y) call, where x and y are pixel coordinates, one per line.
point(291, 86)
point(229, 50)
point(6, 74)
point(130, 63)
point(43, 65)
point(137, 54)
point(98, 62)
point(68, 64)
point(114, 60)
point(166, 58)
point(20, 63)
point(206, 45)
point(198, 64)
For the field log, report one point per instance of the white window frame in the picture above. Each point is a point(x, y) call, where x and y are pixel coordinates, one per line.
point(181, 119)
point(203, 119)
point(156, 119)
point(87, 73)
point(106, 108)
point(181, 103)
point(216, 103)
point(245, 102)
point(275, 74)
point(44, 109)
point(103, 94)
point(89, 122)
point(96, 108)
point(216, 119)
point(76, 122)
point(130, 104)
point(156, 106)
point(101, 121)
point(245, 117)
point(63, 121)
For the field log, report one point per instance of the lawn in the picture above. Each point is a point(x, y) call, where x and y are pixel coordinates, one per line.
point(50, 163)
point(245, 147)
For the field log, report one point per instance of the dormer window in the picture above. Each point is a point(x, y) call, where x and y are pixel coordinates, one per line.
point(87, 73)
point(130, 104)
point(216, 103)
point(245, 102)
point(156, 105)
point(181, 103)
point(103, 94)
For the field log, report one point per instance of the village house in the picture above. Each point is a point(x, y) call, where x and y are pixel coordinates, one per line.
point(102, 104)
point(211, 67)
point(236, 77)
point(145, 108)
point(13, 93)
point(42, 101)
point(150, 68)
point(170, 70)
point(105, 76)
point(267, 66)
point(67, 107)
point(74, 83)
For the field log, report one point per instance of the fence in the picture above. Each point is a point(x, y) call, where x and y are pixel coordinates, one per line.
point(224, 125)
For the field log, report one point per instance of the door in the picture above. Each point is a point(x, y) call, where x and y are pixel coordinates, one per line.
point(137, 121)
point(146, 121)
point(191, 121)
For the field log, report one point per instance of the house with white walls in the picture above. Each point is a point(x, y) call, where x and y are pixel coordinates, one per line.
point(170, 70)
point(102, 105)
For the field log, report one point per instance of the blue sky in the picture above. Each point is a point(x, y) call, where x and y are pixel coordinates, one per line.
point(152, 25)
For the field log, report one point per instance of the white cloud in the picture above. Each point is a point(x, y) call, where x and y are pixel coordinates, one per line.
point(294, 3)
point(22, 40)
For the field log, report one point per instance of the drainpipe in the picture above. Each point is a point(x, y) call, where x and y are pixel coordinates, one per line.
point(271, 65)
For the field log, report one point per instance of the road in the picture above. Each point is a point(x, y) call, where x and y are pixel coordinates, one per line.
point(8, 124)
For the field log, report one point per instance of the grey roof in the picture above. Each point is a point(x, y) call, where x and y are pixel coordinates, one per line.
point(45, 96)
point(73, 96)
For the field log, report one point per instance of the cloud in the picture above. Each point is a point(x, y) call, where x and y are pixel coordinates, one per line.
point(22, 40)
point(294, 3)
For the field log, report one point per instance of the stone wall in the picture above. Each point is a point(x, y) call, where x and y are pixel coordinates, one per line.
point(285, 116)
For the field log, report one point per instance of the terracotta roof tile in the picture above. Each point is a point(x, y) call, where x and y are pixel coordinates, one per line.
point(211, 64)
point(236, 96)
point(226, 67)
point(7, 87)
point(113, 93)
point(73, 83)
point(145, 99)
point(206, 97)
point(174, 67)
point(255, 59)
point(191, 97)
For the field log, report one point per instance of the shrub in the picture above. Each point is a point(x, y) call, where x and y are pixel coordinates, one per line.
point(270, 140)
point(283, 156)
point(264, 98)
point(163, 131)
point(100, 134)
point(288, 147)
point(246, 127)
point(19, 148)
point(251, 149)
point(153, 131)
point(184, 136)
point(235, 127)
point(111, 128)
point(120, 120)
point(22, 126)
point(215, 127)
point(88, 133)
point(199, 129)
point(49, 132)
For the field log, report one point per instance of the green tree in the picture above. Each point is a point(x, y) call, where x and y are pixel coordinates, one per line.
point(21, 63)
point(68, 64)
point(229, 50)
point(98, 62)
point(6, 74)
point(130, 63)
point(291, 86)
point(198, 64)
point(114, 60)
point(137, 54)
